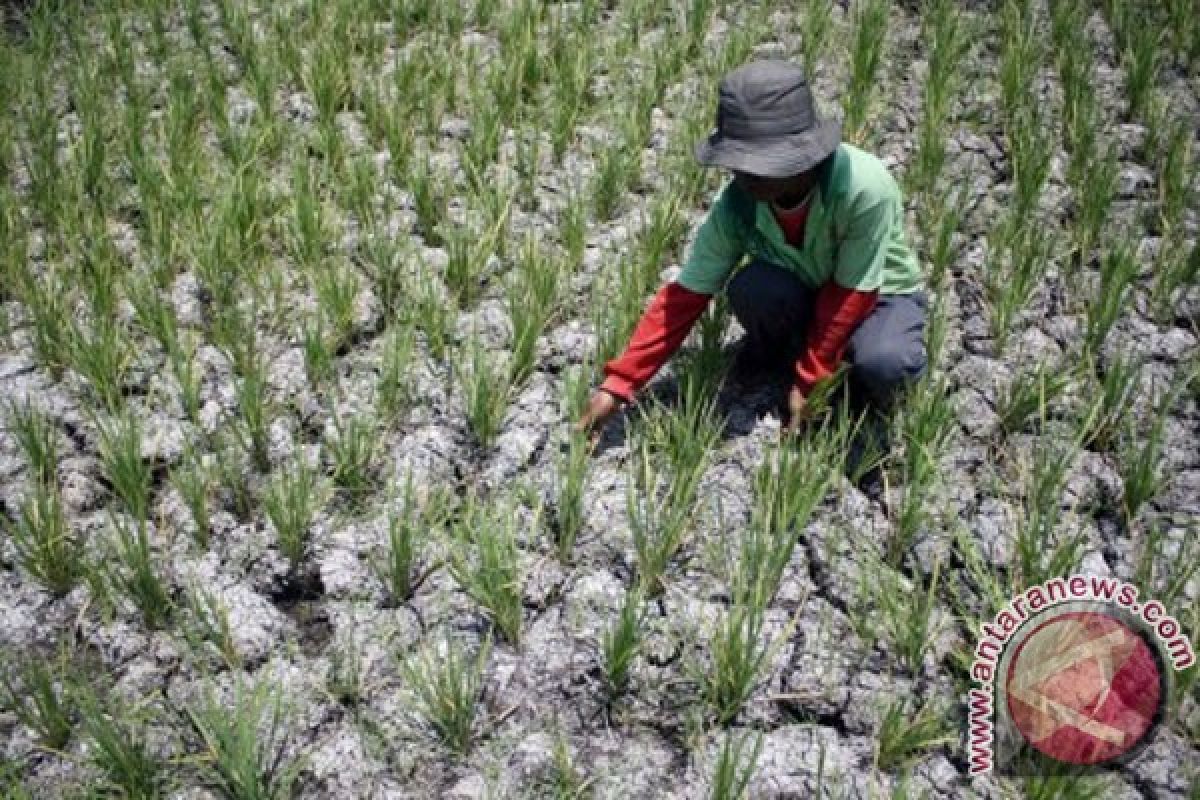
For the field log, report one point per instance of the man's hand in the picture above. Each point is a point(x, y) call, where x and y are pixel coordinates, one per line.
point(797, 410)
point(600, 409)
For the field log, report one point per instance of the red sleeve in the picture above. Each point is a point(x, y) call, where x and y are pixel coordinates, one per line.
point(837, 312)
point(658, 334)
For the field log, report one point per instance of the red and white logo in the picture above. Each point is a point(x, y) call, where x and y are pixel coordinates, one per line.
point(1083, 688)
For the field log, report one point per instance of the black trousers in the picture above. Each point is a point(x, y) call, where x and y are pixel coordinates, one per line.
point(885, 351)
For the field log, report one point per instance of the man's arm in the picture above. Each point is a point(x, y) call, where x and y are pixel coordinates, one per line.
point(658, 335)
point(668, 319)
point(847, 299)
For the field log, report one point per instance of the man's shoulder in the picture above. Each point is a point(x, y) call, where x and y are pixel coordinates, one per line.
point(862, 178)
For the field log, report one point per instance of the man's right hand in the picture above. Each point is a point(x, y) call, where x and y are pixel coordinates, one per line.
point(600, 409)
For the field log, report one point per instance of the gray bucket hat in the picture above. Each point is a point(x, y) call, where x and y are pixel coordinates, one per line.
point(767, 123)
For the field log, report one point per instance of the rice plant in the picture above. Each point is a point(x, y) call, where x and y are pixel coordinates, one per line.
point(194, 483)
point(1176, 174)
point(430, 312)
point(1113, 389)
point(1011, 287)
point(568, 516)
point(909, 614)
point(816, 26)
point(292, 500)
point(255, 408)
point(208, 626)
point(866, 56)
point(620, 642)
point(319, 365)
point(928, 423)
point(1038, 555)
point(46, 547)
point(101, 353)
point(486, 563)
point(119, 748)
point(788, 486)
point(244, 746)
point(1029, 396)
point(906, 735)
point(657, 521)
point(1141, 60)
point(395, 390)
point(1118, 273)
point(37, 437)
point(734, 768)
point(135, 574)
point(1174, 271)
point(532, 296)
point(1095, 189)
point(402, 568)
point(1021, 53)
point(486, 390)
point(1140, 461)
point(127, 472)
point(344, 680)
point(738, 655)
point(352, 448)
point(38, 693)
point(447, 686)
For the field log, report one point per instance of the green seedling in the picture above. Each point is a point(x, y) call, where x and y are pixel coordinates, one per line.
point(38, 692)
point(1140, 461)
point(1118, 273)
point(621, 641)
point(38, 439)
point(1029, 396)
point(738, 658)
point(208, 626)
point(1039, 556)
point(1141, 60)
point(352, 448)
point(906, 737)
point(568, 508)
point(866, 56)
point(337, 289)
point(401, 569)
point(1100, 422)
point(344, 681)
point(486, 388)
point(385, 268)
point(908, 615)
point(292, 500)
point(127, 472)
point(927, 425)
point(816, 27)
point(486, 563)
point(101, 354)
point(244, 746)
point(319, 363)
point(138, 576)
point(255, 410)
point(734, 768)
point(447, 686)
point(395, 390)
point(119, 749)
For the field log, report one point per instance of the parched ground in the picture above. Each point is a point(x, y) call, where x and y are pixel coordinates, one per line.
point(300, 256)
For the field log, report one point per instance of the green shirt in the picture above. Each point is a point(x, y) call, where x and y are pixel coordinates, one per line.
point(854, 234)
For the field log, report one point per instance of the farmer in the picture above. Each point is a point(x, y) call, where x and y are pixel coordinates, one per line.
point(829, 272)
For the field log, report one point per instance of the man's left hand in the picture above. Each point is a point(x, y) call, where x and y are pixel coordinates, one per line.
point(797, 410)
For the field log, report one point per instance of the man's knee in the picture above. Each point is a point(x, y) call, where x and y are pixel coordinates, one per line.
point(763, 295)
point(885, 367)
